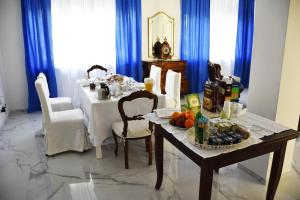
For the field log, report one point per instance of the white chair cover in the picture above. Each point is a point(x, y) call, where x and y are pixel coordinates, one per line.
point(172, 88)
point(155, 74)
point(64, 130)
point(45, 83)
point(57, 103)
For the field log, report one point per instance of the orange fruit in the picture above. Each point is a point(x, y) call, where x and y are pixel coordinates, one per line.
point(189, 123)
point(189, 112)
point(190, 116)
point(183, 114)
point(172, 122)
point(175, 116)
point(180, 122)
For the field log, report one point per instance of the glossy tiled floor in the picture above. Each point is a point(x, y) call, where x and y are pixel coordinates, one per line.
point(25, 172)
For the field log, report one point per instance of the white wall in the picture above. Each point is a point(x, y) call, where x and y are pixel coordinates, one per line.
point(12, 49)
point(151, 7)
point(271, 17)
point(267, 57)
point(3, 115)
point(288, 108)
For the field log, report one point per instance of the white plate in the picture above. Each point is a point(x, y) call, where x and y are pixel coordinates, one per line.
point(85, 85)
point(165, 113)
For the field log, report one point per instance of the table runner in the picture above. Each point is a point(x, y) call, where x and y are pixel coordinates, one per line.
point(259, 125)
point(180, 135)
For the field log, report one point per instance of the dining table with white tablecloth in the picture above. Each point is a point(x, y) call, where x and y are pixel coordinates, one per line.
point(100, 114)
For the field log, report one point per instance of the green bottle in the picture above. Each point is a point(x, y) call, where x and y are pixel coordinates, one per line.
point(198, 129)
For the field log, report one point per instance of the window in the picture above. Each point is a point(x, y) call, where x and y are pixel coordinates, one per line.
point(83, 33)
point(223, 30)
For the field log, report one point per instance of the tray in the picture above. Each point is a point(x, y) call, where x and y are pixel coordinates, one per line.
point(190, 134)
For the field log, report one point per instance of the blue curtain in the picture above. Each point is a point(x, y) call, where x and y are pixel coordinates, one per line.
point(195, 30)
point(244, 39)
point(36, 18)
point(128, 38)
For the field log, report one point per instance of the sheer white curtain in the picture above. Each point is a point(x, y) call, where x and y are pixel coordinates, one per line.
point(223, 30)
point(83, 34)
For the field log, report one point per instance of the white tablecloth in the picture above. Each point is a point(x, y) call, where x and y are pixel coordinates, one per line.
point(101, 114)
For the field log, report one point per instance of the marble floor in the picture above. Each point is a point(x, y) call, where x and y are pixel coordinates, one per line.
point(25, 172)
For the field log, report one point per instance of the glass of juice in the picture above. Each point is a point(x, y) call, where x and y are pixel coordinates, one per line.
point(148, 84)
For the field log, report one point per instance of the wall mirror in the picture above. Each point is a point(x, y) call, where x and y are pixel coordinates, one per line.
point(160, 29)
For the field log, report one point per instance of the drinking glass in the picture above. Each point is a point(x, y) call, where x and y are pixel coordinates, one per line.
point(148, 84)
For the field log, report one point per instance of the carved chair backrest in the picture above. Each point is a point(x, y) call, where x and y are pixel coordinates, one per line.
point(131, 97)
point(95, 67)
point(214, 71)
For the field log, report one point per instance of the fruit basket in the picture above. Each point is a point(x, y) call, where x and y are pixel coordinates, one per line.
point(182, 120)
point(245, 135)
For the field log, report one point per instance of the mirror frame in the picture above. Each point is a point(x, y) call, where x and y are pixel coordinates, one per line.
point(150, 29)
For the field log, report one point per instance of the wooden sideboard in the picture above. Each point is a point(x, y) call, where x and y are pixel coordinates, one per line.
point(175, 65)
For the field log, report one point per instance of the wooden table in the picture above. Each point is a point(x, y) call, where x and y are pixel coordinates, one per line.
point(275, 143)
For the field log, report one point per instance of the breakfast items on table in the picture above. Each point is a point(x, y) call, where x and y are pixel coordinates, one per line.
point(193, 100)
point(220, 132)
point(149, 82)
point(210, 97)
point(201, 128)
point(226, 110)
point(182, 119)
point(226, 138)
point(208, 133)
point(235, 92)
point(216, 93)
point(115, 78)
point(226, 126)
point(193, 103)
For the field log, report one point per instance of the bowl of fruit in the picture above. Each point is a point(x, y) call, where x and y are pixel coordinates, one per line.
point(184, 120)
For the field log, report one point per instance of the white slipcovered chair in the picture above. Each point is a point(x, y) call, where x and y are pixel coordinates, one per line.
point(172, 88)
point(155, 74)
point(57, 103)
point(64, 130)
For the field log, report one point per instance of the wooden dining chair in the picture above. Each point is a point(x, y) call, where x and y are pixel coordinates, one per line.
point(95, 67)
point(134, 127)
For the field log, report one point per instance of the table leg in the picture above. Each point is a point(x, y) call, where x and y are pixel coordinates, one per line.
point(276, 170)
point(159, 157)
point(98, 152)
point(206, 179)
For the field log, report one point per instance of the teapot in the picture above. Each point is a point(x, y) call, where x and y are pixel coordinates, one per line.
point(103, 91)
